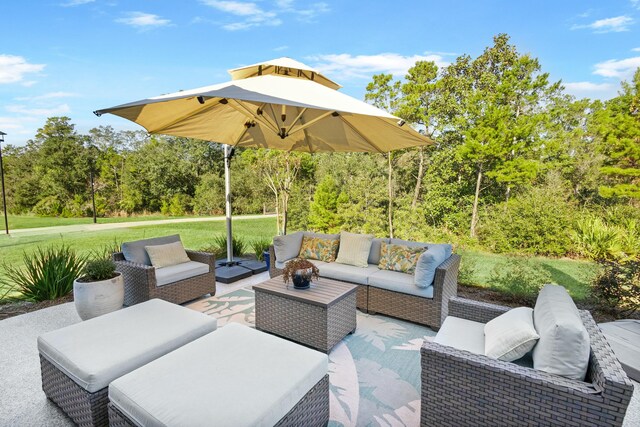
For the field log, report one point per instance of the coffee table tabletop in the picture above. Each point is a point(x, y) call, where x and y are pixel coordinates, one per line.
point(323, 292)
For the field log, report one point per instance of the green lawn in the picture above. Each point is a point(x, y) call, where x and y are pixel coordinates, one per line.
point(30, 221)
point(574, 275)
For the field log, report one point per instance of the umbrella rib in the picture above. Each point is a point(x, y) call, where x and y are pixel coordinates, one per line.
point(243, 110)
point(309, 123)
point(361, 135)
point(296, 120)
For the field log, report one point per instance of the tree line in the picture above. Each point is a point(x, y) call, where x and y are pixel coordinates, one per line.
point(518, 166)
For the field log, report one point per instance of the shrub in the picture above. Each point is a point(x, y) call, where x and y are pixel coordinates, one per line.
point(259, 246)
point(596, 240)
point(618, 285)
point(519, 277)
point(537, 222)
point(219, 246)
point(48, 206)
point(98, 269)
point(467, 272)
point(47, 273)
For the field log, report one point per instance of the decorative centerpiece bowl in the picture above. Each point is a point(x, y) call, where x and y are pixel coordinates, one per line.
point(301, 272)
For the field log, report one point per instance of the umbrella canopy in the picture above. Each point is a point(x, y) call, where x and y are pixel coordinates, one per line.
point(276, 106)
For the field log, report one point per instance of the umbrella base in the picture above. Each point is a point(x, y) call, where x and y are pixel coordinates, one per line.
point(238, 269)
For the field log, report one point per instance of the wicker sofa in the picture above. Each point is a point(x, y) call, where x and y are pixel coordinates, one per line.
point(429, 309)
point(142, 281)
point(464, 388)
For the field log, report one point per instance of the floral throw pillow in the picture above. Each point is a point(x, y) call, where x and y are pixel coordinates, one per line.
point(399, 257)
point(319, 248)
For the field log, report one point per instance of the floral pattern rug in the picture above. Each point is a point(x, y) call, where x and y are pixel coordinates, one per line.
point(374, 373)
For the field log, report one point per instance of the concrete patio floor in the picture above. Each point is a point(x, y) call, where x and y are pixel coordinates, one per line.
point(23, 402)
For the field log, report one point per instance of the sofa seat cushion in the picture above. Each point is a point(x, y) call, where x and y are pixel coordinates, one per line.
point(236, 376)
point(462, 334)
point(95, 352)
point(136, 252)
point(398, 282)
point(348, 273)
point(564, 345)
point(316, 262)
point(174, 273)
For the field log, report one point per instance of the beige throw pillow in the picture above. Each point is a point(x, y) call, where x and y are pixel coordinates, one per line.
point(167, 255)
point(354, 249)
point(511, 335)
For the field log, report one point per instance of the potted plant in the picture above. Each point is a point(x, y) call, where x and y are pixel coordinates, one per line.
point(99, 290)
point(300, 271)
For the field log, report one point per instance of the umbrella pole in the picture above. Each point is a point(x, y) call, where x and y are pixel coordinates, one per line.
point(228, 153)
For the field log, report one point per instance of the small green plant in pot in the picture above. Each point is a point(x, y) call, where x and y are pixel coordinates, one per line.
point(99, 290)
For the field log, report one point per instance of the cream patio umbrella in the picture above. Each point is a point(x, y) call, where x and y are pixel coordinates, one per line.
point(280, 104)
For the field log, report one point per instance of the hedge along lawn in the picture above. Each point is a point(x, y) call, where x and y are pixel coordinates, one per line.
point(575, 275)
point(194, 235)
point(17, 222)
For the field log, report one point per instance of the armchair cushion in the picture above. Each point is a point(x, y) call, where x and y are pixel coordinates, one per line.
point(136, 252)
point(564, 346)
point(461, 334)
point(167, 255)
point(175, 273)
point(288, 246)
point(511, 335)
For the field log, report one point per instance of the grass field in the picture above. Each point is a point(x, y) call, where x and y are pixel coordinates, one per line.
point(17, 222)
point(574, 275)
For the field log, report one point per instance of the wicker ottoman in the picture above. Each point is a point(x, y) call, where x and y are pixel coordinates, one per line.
point(78, 362)
point(236, 376)
point(319, 317)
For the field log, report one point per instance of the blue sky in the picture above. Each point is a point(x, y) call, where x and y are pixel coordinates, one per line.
point(70, 57)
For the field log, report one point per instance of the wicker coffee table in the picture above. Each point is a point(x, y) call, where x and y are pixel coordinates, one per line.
point(319, 317)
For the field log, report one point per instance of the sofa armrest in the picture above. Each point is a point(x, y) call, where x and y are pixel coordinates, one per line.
point(445, 284)
point(273, 271)
point(476, 311)
point(203, 257)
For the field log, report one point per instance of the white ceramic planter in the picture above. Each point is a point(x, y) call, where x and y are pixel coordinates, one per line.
point(97, 298)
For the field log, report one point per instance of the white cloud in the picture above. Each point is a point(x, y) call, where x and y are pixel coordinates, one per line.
point(622, 69)
point(607, 25)
point(50, 95)
point(253, 15)
point(280, 48)
point(364, 66)
point(45, 112)
point(591, 90)
point(143, 20)
point(635, 3)
point(72, 3)
point(635, 49)
point(14, 68)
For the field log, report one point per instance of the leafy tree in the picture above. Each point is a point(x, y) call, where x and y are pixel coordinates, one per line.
point(617, 126)
point(323, 211)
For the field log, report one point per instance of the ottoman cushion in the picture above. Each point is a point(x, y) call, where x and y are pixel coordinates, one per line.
point(95, 352)
point(236, 376)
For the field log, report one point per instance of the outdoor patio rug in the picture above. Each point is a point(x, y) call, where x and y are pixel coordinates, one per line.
point(374, 373)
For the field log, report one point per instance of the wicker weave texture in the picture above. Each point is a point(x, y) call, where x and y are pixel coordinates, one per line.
point(84, 408)
point(312, 410)
point(462, 388)
point(140, 282)
point(426, 311)
point(312, 325)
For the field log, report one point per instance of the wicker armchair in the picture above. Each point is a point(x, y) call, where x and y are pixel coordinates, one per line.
point(140, 281)
point(460, 388)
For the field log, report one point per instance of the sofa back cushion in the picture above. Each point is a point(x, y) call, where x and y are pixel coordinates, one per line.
point(287, 246)
point(428, 261)
point(323, 249)
point(136, 252)
point(399, 257)
point(564, 345)
point(354, 249)
point(376, 247)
